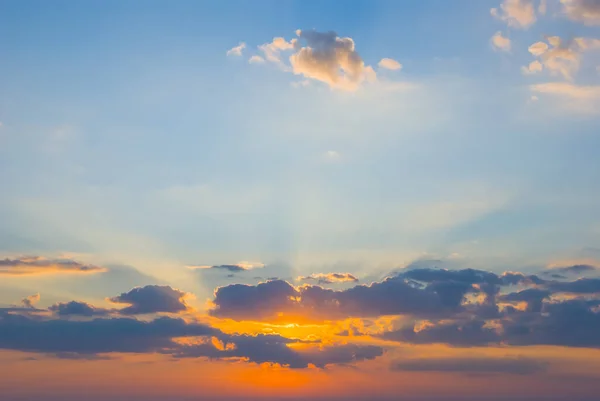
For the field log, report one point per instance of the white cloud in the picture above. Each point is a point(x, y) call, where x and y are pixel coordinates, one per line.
point(272, 51)
point(516, 13)
point(256, 60)
point(237, 50)
point(532, 68)
point(390, 64)
point(586, 11)
point(500, 42)
point(561, 58)
point(575, 98)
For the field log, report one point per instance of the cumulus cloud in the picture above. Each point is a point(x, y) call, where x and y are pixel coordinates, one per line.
point(585, 11)
point(330, 278)
point(75, 308)
point(237, 50)
point(39, 265)
point(30, 301)
point(560, 57)
point(152, 299)
point(533, 68)
point(443, 294)
point(516, 13)
point(256, 60)
point(235, 268)
point(321, 56)
point(500, 42)
point(176, 337)
point(389, 64)
point(515, 366)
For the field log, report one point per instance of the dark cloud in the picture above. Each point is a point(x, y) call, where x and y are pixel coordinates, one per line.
point(96, 338)
point(534, 298)
point(464, 334)
point(38, 265)
point(75, 308)
point(235, 268)
point(330, 278)
point(515, 366)
point(581, 286)
point(152, 299)
point(574, 269)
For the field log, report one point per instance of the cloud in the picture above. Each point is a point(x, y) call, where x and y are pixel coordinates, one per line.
point(575, 269)
point(237, 50)
point(443, 295)
point(75, 308)
point(165, 335)
point(576, 98)
point(320, 56)
point(533, 68)
point(534, 298)
point(152, 299)
point(560, 57)
point(30, 301)
point(38, 265)
point(256, 60)
point(389, 64)
point(581, 286)
point(515, 366)
point(586, 11)
point(500, 42)
point(516, 13)
point(330, 278)
point(236, 268)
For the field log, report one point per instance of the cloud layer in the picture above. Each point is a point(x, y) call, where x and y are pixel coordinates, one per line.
point(38, 265)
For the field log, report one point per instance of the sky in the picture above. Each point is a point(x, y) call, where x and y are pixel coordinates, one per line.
point(300, 200)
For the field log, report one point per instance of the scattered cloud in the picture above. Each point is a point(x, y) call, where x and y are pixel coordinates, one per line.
point(533, 68)
point(152, 299)
point(560, 57)
point(256, 60)
point(500, 42)
point(576, 98)
point(30, 301)
point(38, 265)
point(237, 50)
point(235, 268)
point(516, 13)
point(585, 11)
point(389, 64)
point(330, 278)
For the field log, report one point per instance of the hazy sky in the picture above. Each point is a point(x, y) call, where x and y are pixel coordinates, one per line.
point(292, 199)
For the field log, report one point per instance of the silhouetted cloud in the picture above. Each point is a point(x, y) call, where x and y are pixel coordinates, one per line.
point(152, 299)
point(574, 269)
point(96, 338)
point(581, 286)
point(330, 278)
point(75, 308)
point(39, 265)
point(532, 296)
point(516, 366)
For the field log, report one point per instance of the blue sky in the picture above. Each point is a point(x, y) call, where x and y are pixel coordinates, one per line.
point(129, 137)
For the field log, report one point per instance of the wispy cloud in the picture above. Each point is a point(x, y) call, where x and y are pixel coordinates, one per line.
point(39, 265)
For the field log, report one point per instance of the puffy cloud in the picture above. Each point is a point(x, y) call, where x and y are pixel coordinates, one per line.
point(330, 278)
point(236, 268)
point(534, 298)
point(38, 265)
point(533, 67)
point(500, 42)
point(515, 366)
point(443, 295)
point(256, 60)
point(88, 338)
point(586, 11)
point(30, 301)
point(464, 334)
point(389, 64)
point(237, 50)
point(152, 299)
point(75, 308)
point(559, 57)
point(516, 13)
point(321, 56)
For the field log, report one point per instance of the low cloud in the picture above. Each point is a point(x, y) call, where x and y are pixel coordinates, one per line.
point(75, 308)
point(30, 301)
point(37, 265)
point(152, 299)
point(237, 50)
point(330, 278)
point(516, 13)
point(235, 268)
point(500, 42)
point(389, 64)
point(585, 11)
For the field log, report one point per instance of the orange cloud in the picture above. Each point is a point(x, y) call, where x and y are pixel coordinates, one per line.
point(37, 265)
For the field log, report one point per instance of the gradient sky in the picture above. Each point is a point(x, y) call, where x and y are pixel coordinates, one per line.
point(268, 200)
